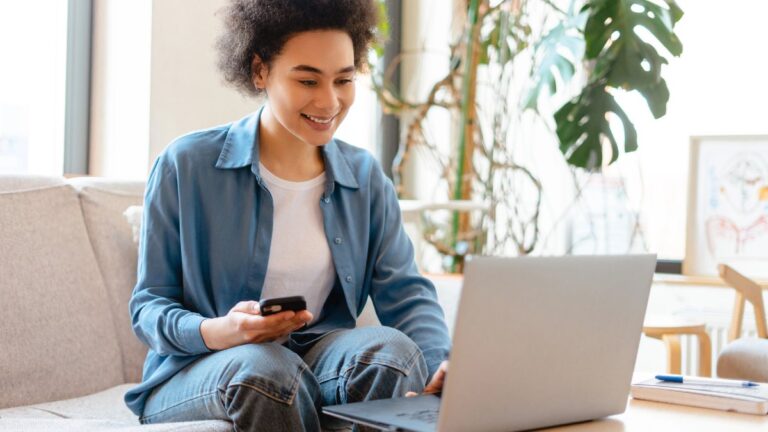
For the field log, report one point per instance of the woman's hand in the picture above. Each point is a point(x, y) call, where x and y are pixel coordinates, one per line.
point(244, 324)
point(436, 383)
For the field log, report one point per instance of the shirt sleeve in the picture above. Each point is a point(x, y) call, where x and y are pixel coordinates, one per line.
point(402, 297)
point(158, 315)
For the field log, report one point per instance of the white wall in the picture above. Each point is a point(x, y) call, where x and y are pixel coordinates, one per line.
point(155, 78)
point(718, 87)
point(120, 88)
point(187, 91)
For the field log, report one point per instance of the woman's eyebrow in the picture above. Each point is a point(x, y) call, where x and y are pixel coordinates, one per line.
point(305, 68)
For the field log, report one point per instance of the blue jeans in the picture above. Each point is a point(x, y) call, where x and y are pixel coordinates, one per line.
point(268, 387)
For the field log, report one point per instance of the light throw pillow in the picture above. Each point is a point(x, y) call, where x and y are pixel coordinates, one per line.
point(133, 215)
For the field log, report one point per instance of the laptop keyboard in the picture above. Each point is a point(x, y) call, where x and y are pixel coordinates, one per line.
point(428, 416)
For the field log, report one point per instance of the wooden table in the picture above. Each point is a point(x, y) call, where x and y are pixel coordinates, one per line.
point(647, 416)
point(644, 416)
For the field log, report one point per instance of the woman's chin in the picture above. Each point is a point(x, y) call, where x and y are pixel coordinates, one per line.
point(316, 138)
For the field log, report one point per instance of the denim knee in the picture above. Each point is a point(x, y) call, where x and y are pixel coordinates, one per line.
point(388, 346)
point(387, 364)
point(250, 385)
point(269, 369)
point(270, 385)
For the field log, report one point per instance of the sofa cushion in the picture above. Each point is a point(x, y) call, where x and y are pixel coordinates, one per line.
point(131, 188)
point(97, 412)
point(56, 334)
point(745, 359)
point(17, 183)
point(107, 404)
point(103, 203)
point(79, 425)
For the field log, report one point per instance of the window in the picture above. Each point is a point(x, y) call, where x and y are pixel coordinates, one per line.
point(33, 46)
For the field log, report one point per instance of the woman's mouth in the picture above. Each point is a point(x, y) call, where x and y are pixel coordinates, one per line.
point(318, 123)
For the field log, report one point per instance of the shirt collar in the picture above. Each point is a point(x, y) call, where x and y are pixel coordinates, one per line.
point(241, 148)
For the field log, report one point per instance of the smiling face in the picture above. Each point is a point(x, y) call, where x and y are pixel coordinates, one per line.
point(309, 86)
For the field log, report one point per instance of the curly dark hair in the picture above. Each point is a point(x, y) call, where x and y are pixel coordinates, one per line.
point(262, 27)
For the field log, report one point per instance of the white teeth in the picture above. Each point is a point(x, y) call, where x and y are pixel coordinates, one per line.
point(318, 120)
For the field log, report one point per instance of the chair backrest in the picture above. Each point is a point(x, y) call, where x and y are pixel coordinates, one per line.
point(746, 290)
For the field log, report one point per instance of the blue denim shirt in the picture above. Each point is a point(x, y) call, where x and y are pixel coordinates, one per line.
point(205, 243)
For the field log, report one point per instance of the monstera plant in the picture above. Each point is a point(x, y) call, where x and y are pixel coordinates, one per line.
point(621, 59)
point(578, 56)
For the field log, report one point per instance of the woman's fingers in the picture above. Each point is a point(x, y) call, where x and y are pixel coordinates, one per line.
point(436, 383)
point(276, 320)
point(274, 333)
point(289, 318)
point(305, 316)
point(257, 328)
point(297, 322)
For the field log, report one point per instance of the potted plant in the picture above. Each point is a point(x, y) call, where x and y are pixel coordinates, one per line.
point(577, 57)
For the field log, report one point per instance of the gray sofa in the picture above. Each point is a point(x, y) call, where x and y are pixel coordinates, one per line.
point(67, 268)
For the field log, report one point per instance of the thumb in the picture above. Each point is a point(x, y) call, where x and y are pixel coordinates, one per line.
point(249, 307)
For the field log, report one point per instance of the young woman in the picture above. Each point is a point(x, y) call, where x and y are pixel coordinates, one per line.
point(272, 205)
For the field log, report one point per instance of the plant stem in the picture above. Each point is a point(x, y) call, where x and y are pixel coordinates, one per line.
point(461, 190)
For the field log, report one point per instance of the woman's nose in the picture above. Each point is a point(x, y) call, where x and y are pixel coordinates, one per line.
point(327, 98)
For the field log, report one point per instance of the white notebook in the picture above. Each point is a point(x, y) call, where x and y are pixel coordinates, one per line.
point(749, 400)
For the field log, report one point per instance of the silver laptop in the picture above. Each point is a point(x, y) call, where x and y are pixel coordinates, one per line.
point(538, 342)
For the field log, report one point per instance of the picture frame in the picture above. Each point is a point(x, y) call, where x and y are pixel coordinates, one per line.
point(727, 217)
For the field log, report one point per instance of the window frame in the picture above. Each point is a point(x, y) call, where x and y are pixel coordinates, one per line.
point(77, 99)
point(389, 135)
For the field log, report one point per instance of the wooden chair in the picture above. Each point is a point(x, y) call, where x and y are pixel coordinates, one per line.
point(744, 358)
point(747, 290)
point(669, 331)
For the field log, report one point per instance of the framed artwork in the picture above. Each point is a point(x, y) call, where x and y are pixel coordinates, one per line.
point(728, 205)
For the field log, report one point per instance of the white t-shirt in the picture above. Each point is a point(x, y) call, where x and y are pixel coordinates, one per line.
point(300, 261)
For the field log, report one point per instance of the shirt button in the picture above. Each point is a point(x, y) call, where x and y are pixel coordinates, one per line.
point(337, 240)
point(348, 278)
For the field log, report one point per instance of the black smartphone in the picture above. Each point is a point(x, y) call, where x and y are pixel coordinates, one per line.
point(280, 304)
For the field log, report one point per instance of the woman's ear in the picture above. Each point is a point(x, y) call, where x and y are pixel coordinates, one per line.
point(258, 73)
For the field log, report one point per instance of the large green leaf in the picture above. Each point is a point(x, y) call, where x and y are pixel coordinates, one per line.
point(622, 58)
point(557, 53)
point(583, 124)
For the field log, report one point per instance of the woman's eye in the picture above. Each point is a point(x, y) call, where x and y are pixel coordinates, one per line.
point(344, 81)
point(308, 83)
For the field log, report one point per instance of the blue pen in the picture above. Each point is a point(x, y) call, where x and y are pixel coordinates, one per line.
point(705, 381)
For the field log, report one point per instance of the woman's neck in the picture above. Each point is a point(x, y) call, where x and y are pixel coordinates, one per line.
point(284, 155)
